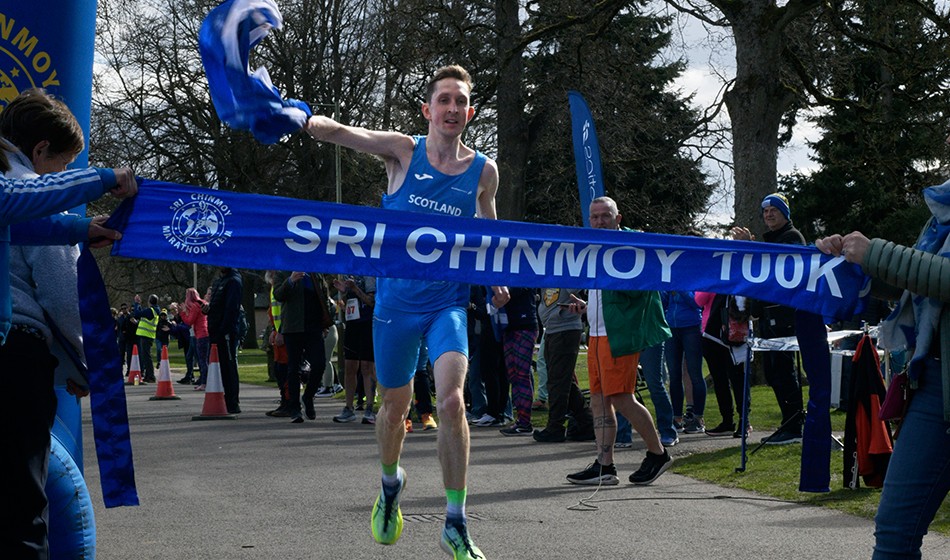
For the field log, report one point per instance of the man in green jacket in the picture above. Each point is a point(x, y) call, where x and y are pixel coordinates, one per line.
point(622, 323)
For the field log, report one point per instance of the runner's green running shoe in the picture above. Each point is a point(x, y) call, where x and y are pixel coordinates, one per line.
point(387, 518)
point(456, 542)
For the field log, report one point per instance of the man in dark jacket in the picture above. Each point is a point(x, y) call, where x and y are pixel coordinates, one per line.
point(304, 317)
point(776, 321)
point(222, 312)
point(126, 326)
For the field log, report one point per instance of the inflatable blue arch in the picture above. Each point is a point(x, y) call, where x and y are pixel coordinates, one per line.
point(72, 524)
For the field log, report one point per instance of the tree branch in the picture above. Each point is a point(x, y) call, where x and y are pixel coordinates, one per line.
point(807, 80)
point(793, 10)
point(598, 8)
point(940, 20)
point(700, 14)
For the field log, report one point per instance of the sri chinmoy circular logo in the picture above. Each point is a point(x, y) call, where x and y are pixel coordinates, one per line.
point(24, 60)
point(15, 77)
point(197, 224)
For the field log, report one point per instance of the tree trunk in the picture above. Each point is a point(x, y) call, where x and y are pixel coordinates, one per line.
point(756, 103)
point(512, 129)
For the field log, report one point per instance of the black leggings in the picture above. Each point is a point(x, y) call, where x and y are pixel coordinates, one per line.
point(725, 373)
point(27, 417)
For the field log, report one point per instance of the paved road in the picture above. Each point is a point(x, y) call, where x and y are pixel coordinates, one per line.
point(262, 488)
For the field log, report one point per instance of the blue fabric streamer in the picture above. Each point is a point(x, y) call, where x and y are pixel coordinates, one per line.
point(914, 323)
point(590, 178)
point(815, 475)
point(246, 100)
point(110, 418)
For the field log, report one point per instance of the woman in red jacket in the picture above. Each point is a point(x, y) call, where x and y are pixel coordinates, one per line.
point(193, 317)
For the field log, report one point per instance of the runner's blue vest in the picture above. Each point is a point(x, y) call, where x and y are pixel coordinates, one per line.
point(430, 191)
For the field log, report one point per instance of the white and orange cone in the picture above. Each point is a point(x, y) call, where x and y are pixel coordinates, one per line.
point(214, 407)
point(135, 368)
point(164, 391)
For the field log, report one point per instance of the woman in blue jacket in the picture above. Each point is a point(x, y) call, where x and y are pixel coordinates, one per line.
point(686, 345)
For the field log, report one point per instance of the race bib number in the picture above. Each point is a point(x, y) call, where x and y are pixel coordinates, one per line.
point(352, 309)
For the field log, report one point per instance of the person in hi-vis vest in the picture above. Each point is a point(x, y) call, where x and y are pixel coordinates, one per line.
point(276, 342)
point(148, 325)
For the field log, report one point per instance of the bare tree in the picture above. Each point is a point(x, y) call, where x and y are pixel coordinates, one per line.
point(774, 79)
point(152, 109)
point(759, 96)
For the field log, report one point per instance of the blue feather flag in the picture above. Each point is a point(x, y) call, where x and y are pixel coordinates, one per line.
point(246, 100)
point(590, 179)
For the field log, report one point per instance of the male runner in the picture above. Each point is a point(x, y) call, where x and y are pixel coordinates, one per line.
point(426, 174)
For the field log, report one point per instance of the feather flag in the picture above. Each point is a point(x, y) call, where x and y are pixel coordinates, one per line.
point(246, 100)
point(590, 179)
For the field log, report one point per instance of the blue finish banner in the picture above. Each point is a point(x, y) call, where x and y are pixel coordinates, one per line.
point(110, 417)
point(815, 474)
point(590, 179)
point(184, 223)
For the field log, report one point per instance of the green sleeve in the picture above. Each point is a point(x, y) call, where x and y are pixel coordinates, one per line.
point(904, 268)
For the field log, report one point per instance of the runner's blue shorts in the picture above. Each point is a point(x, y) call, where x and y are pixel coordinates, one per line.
point(397, 335)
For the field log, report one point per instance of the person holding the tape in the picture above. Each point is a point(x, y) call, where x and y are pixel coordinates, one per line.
point(918, 475)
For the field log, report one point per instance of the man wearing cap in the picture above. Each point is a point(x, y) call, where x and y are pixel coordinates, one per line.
point(779, 321)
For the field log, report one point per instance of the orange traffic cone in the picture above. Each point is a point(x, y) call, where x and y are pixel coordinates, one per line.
point(164, 391)
point(214, 407)
point(135, 369)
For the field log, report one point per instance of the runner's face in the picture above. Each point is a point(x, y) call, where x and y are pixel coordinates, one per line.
point(449, 109)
